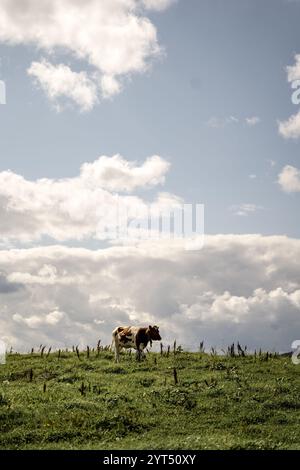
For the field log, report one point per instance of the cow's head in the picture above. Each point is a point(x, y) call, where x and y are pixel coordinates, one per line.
point(154, 333)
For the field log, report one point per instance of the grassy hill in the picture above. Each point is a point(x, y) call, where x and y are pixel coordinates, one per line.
point(219, 402)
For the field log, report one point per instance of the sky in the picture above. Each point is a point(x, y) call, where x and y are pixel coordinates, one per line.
point(151, 101)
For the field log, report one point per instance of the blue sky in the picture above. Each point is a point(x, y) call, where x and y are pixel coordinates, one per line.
point(221, 59)
point(221, 63)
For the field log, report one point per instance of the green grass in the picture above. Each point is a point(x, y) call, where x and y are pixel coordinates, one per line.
point(92, 403)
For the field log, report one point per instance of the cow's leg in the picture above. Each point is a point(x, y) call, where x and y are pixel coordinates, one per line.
point(117, 347)
point(140, 352)
point(138, 355)
point(117, 353)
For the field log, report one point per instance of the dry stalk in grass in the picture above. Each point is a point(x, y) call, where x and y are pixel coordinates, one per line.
point(82, 388)
point(98, 347)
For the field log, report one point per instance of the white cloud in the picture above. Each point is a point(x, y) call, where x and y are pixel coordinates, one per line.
point(252, 121)
point(220, 122)
point(117, 174)
point(117, 40)
point(60, 81)
point(110, 86)
point(82, 207)
point(239, 309)
point(290, 129)
point(38, 321)
point(158, 5)
point(289, 179)
point(245, 209)
point(293, 71)
point(238, 287)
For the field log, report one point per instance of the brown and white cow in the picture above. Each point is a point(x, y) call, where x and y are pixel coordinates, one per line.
point(134, 337)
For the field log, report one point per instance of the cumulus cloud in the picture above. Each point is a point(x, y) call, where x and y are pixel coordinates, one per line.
point(60, 81)
point(290, 129)
point(158, 5)
point(238, 287)
point(37, 321)
point(110, 86)
point(85, 206)
point(289, 179)
point(117, 40)
point(293, 71)
point(7, 286)
point(117, 174)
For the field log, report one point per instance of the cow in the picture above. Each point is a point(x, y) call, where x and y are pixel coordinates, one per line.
point(133, 337)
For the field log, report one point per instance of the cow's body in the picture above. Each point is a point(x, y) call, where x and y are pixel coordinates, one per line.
point(134, 337)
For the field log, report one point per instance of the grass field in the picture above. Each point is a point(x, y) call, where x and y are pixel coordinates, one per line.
point(219, 402)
